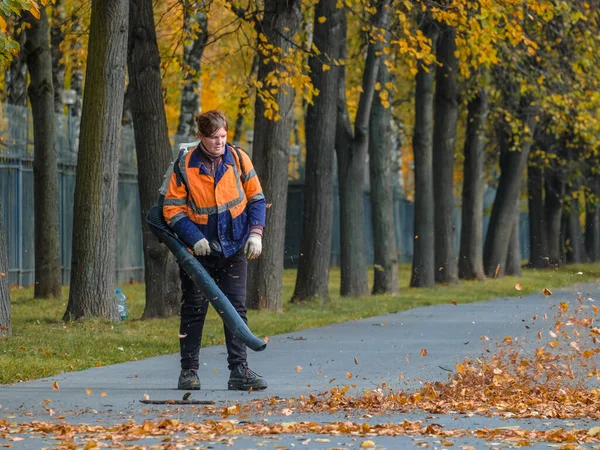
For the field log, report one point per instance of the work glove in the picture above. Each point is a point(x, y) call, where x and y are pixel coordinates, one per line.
point(201, 248)
point(253, 246)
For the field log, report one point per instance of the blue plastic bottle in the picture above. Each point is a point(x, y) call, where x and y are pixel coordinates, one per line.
point(122, 304)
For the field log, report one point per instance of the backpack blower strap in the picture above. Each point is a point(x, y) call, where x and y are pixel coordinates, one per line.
point(201, 277)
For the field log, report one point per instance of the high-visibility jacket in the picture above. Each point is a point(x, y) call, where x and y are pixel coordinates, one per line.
point(221, 208)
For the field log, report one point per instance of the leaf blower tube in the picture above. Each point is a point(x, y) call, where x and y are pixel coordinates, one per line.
point(201, 278)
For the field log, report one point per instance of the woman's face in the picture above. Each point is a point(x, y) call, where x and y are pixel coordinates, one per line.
point(215, 144)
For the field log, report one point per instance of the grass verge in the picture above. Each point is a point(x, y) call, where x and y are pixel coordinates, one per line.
point(42, 345)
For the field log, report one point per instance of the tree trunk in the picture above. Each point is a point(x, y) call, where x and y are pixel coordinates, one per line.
point(444, 135)
point(93, 274)
point(48, 282)
point(592, 221)
point(153, 151)
point(575, 250)
point(423, 264)
point(57, 37)
point(76, 81)
point(381, 163)
point(194, 15)
point(270, 154)
point(312, 280)
point(5, 318)
point(553, 204)
point(351, 172)
point(512, 166)
point(244, 102)
point(538, 249)
point(513, 257)
point(470, 261)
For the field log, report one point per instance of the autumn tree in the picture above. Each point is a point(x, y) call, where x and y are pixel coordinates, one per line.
point(381, 172)
point(153, 150)
point(92, 292)
point(470, 259)
point(423, 263)
point(195, 29)
point(57, 38)
point(45, 163)
point(272, 126)
point(312, 281)
point(352, 143)
point(444, 135)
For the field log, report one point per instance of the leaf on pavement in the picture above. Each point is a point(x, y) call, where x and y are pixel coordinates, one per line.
point(55, 386)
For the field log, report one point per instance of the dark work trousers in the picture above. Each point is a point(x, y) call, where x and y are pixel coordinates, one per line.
point(230, 275)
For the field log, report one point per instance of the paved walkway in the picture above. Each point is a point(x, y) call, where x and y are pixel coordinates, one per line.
point(374, 350)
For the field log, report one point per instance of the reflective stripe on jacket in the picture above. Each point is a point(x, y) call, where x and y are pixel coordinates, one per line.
point(220, 208)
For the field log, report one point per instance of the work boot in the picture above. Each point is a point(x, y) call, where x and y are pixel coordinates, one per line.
point(242, 379)
point(188, 380)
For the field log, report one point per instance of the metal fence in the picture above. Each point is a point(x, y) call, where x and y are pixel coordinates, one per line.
point(16, 197)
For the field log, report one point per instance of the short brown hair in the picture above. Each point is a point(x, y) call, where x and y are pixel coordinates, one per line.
point(209, 122)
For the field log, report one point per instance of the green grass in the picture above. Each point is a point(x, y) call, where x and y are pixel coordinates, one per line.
point(42, 345)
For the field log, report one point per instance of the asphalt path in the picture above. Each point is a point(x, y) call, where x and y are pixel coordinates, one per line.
point(398, 351)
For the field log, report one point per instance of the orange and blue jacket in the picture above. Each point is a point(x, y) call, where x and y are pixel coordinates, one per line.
point(221, 208)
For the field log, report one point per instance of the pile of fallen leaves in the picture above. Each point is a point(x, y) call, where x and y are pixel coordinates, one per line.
point(175, 434)
point(550, 381)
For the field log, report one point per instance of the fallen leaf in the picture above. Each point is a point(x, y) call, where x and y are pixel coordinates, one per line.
point(355, 360)
point(367, 444)
point(322, 440)
point(298, 369)
point(454, 302)
point(593, 431)
point(547, 291)
point(2, 274)
point(579, 273)
point(348, 374)
point(146, 397)
point(497, 270)
point(287, 412)
point(103, 394)
point(55, 386)
point(181, 336)
point(423, 352)
point(186, 396)
point(88, 392)
point(332, 380)
point(518, 286)
point(266, 339)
